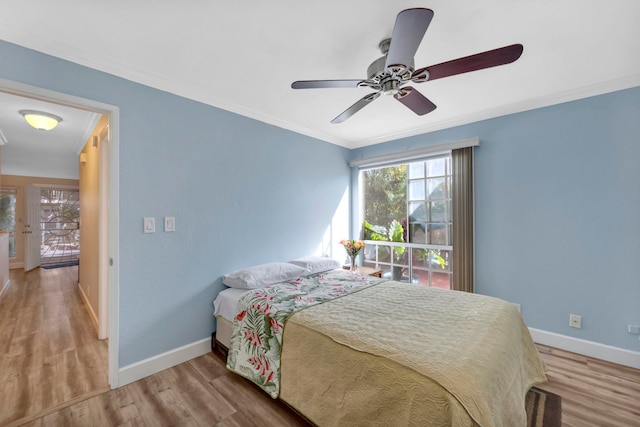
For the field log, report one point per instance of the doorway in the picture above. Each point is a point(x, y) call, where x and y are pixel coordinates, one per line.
point(108, 232)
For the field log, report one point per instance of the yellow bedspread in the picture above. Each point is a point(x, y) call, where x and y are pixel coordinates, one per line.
point(423, 356)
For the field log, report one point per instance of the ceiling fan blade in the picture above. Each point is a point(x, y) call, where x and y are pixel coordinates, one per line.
point(409, 29)
point(415, 101)
point(491, 58)
point(324, 84)
point(355, 108)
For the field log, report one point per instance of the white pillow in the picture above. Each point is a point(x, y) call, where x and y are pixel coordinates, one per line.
point(262, 275)
point(316, 264)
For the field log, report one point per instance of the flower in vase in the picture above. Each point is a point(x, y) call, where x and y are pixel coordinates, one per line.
point(352, 247)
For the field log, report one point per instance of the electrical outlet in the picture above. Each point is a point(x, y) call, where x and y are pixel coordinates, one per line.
point(575, 321)
point(634, 329)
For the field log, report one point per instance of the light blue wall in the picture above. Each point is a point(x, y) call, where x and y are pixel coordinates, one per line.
point(557, 204)
point(558, 212)
point(242, 192)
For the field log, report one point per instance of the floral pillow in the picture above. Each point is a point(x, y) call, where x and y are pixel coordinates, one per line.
point(262, 275)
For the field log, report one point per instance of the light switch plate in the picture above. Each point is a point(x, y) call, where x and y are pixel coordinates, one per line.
point(169, 223)
point(149, 225)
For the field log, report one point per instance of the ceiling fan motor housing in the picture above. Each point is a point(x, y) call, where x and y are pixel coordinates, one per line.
point(387, 79)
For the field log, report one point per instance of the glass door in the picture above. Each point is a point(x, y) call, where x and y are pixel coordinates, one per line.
point(59, 222)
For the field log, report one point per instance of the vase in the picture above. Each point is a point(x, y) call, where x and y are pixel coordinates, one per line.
point(353, 268)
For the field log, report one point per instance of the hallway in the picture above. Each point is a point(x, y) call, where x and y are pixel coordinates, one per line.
point(49, 351)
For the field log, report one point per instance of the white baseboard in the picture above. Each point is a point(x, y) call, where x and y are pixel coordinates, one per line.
point(609, 353)
point(92, 313)
point(13, 265)
point(5, 287)
point(152, 365)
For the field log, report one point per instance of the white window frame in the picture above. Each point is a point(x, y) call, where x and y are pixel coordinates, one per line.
point(405, 157)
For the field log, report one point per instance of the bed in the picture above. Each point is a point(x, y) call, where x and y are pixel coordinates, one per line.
point(345, 349)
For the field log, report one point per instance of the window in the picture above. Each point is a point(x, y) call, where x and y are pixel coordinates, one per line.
point(8, 216)
point(59, 222)
point(407, 209)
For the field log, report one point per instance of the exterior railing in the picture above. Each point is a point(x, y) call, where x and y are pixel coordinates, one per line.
point(421, 264)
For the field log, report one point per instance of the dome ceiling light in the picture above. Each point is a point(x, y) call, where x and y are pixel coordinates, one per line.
point(41, 120)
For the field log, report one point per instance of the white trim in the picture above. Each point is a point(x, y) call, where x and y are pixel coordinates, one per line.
point(87, 304)
point(57, 186)
point(3, 139)
point(13, 265)
point(103, 233)
point(21, 89)
point(89, 126)
point(152, 365)
point(609, 353)
point(114, 247)
point(5, 288)
point(417, 153)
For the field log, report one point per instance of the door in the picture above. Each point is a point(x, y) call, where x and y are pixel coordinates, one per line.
point(32, 228)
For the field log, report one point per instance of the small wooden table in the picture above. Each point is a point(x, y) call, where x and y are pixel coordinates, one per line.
point(366, 271)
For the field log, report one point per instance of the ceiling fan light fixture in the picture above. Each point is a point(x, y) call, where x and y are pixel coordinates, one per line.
point(40, 120)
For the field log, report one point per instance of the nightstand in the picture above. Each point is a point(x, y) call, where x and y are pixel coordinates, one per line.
point(367, 271)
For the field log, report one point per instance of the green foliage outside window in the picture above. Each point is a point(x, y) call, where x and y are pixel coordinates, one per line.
point(385, 192)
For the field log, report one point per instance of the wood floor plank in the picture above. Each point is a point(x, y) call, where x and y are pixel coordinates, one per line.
point(91, 370)
point(208, 367)
point(594, 392)
point(20, 396)
point(54, 305)
point(205, 404)
point(76, 415)
point(58, 337)
point(136, 422)
point(34, 423)
point(255, 405)
point(73, 303)
point(61, 381)
point(30, 320)
point(113, 409)
point(158, 403)
point(24, 345)
point(6, 334)
point(41, 366)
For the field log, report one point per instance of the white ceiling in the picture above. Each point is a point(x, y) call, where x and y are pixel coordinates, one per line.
point(243, 56)
point(31, 152)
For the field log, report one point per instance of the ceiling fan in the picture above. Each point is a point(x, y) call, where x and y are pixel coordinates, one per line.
point(389, 73)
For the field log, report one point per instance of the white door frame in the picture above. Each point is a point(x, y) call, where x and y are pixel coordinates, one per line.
point(103, 233)
point(109, 225)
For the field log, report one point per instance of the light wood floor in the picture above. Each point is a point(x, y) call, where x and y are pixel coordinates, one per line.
point(49, 351)
point(594, 392)
point(201, 392)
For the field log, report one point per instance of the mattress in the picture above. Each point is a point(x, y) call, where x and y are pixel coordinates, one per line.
point(224, 327)
point(224, 309)
point(226, 302)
